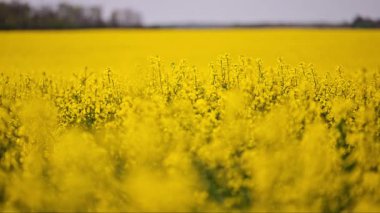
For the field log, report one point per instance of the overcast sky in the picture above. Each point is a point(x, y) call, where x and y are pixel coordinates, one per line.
point(238, 11)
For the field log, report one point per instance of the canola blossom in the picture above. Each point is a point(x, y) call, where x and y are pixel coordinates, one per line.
point(239, 135)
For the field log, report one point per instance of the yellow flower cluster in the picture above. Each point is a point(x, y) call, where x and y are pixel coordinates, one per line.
point(241, 137)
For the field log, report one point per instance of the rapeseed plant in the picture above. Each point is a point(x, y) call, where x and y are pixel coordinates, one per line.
point(248, 137)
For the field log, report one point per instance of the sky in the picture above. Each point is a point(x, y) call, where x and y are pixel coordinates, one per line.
point(157, 12)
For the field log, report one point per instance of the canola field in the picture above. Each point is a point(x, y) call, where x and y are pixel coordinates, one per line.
point(190, 120)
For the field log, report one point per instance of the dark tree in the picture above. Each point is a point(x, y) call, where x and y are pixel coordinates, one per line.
point(361, 22)
point(126, 18)
point(14, 15)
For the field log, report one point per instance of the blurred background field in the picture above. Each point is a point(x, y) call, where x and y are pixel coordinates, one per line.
point(127, 51)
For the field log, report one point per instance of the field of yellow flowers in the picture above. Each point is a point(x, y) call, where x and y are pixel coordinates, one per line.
point(288, 120)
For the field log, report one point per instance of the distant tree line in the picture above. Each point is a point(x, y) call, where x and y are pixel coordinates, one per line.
point(19, 15)
point(361, 22)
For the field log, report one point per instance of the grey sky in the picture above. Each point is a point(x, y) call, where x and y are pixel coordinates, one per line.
point(238, 11)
